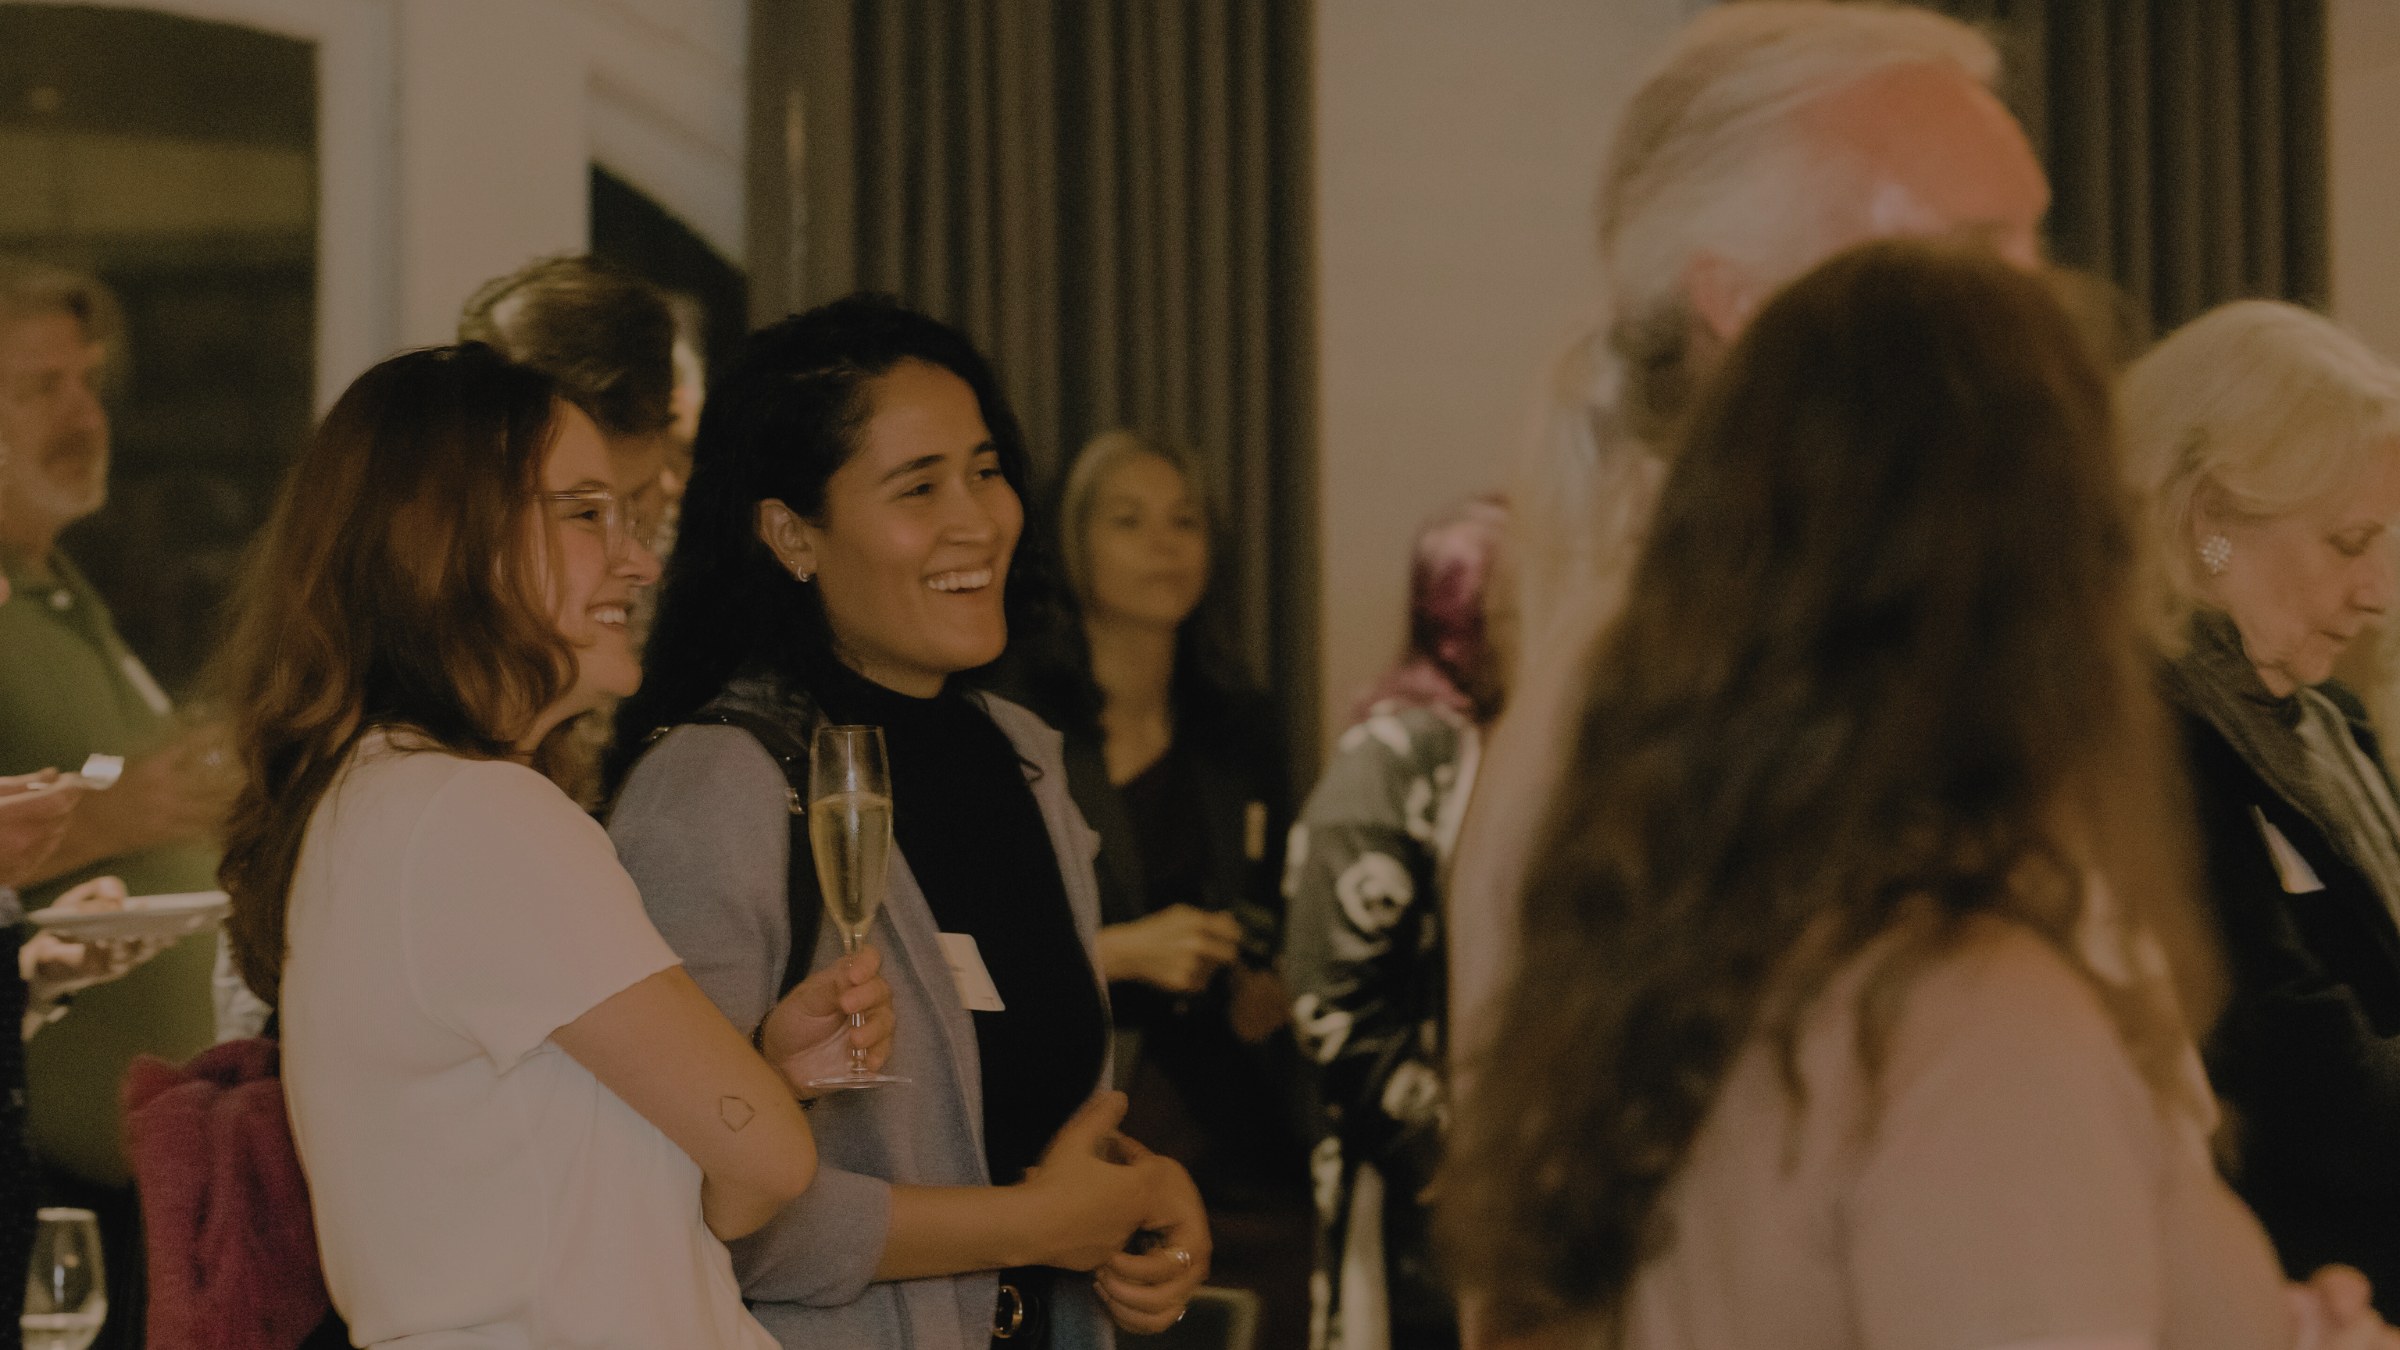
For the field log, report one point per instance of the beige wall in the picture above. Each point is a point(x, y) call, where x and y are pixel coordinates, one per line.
point(2365, 169)
point(1457, 151)
point(493, 166)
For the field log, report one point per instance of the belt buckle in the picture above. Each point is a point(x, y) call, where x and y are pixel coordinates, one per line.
point(1008, 1316)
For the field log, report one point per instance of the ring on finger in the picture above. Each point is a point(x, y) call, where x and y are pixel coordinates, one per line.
point(1184, 1256)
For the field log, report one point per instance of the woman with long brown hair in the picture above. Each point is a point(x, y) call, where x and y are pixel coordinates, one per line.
point(1858, 983)
point(520, 1120)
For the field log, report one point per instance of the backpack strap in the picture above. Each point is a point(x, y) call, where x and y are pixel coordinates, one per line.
point(802, 898)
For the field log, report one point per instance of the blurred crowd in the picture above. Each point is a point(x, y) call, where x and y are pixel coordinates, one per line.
point(1862, 844)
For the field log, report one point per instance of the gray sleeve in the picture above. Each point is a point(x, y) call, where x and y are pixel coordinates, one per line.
point(703, 827)
point(823, 1248)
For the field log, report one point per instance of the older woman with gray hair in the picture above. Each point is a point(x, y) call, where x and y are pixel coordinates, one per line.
point(2265, 444)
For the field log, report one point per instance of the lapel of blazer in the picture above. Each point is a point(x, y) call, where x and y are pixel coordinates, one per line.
point(1040, 749)
point(920, 940)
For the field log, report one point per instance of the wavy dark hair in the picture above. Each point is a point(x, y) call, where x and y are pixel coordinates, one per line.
point(783, 416)
point(390, 588)
point(1876, 674)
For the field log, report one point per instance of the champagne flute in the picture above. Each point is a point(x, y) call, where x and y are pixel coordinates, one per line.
point(850, 834)
point(66, 1292)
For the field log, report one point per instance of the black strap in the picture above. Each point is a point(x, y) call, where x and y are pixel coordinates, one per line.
point(801, 897)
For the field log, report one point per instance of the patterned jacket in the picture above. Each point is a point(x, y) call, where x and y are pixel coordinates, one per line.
point(1363, 956)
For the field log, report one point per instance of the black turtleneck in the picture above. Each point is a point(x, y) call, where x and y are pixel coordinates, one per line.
point(965, 818)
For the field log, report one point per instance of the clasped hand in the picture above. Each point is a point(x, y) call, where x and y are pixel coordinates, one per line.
point(1127, 1215)
point(1178, 949)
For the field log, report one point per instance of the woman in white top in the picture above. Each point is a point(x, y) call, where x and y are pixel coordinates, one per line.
point(522, 1124)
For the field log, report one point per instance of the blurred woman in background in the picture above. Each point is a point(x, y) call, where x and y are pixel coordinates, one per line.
point(1856, 998)
point(2264, 442)
point(1363, 941)
point(1180, 766)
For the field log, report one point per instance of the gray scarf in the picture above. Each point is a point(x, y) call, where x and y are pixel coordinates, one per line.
point(2303, 746)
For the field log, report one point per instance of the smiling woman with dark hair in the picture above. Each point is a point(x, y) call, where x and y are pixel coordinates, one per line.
point(850, 544)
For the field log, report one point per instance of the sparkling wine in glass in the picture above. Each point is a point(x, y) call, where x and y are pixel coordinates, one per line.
point(66, 1292)
point(850, 833)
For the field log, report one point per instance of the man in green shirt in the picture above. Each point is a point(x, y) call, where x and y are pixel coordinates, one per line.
point(70, 687)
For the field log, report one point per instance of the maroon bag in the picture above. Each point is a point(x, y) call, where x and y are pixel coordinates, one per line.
point(225, 1217)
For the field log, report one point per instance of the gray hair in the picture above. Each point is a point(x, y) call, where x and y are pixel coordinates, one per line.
point(29, 288)
point(2259, 407)
point(1709, 158)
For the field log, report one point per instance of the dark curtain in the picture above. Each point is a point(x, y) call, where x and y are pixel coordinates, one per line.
point(1111, 198)
point(2185, 139)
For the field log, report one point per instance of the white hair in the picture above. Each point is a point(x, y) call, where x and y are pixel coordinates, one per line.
point(2256, 409)
point(1709, 158)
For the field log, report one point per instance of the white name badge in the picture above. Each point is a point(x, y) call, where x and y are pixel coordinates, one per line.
point(2291, 869)
point(975, 988)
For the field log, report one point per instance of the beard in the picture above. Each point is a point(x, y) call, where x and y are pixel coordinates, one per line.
point(66, 481)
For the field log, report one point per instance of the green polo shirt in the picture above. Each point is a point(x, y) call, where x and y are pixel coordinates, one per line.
point(70, 687)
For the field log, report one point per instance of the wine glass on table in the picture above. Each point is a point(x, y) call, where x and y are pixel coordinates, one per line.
point(850, 834)
point(66, 1293)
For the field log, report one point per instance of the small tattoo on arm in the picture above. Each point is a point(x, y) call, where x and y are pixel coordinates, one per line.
point(735, 1113)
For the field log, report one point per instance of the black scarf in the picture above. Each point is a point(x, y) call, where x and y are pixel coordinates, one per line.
point(2216, 681)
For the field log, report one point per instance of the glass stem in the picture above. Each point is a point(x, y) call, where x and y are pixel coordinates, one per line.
point(858, 1055)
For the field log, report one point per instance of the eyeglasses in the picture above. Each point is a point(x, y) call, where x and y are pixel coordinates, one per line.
point(603, 508)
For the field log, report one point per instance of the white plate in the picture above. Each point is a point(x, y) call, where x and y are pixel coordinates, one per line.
point(144, 916)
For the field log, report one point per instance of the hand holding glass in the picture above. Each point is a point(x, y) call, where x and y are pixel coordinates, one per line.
point(850, 834)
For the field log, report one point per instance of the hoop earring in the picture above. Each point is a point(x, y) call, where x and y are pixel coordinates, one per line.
point(802, 574)
point(2216, 551)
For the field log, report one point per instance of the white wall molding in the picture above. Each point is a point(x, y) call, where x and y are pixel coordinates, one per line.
point(668, 107)
point(454, 141)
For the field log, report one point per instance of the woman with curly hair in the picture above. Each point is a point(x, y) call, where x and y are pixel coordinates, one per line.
point(1859, 981)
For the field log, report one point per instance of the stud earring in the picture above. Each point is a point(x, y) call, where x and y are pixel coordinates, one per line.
point(2215, 551)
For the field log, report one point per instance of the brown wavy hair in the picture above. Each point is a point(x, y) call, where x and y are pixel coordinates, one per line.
point(1876, 673)
point(391, 587)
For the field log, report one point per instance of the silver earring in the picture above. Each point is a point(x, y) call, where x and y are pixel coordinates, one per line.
point(801, 574)
point(2215, 551)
